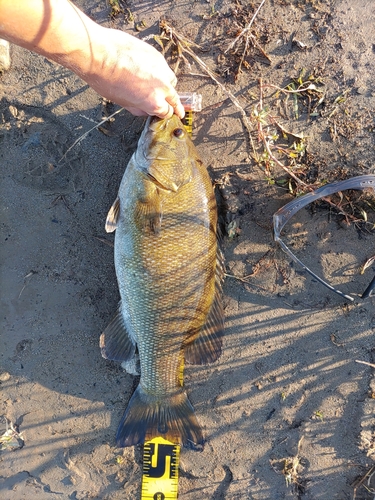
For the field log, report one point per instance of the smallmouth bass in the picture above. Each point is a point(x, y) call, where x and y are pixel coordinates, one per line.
point(169, 268)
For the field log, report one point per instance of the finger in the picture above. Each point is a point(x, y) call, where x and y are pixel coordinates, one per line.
point(180, 110)
point(167, 113)
point(175, 102)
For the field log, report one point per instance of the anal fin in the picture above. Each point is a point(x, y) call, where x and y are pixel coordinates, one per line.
point(115, 342)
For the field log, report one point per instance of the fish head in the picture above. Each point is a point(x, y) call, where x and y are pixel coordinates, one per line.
point(165, 153)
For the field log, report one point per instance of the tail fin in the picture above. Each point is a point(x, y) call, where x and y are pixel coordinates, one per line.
point(146, 417)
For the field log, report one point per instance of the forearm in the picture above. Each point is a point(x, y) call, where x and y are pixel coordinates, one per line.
point(53, 28)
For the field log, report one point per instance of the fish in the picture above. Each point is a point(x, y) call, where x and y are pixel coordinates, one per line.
point(170, 268)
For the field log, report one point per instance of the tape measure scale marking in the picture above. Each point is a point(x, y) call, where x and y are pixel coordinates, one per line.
point(160, 470)
point(188, 122)
point(191, 101)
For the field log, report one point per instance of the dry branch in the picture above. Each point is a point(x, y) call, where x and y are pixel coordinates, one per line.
point(184, 45)
point(245, 30)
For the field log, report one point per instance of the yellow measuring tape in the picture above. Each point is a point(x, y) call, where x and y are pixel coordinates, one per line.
point(191, 101)
point(188, 122)
point(160, 470)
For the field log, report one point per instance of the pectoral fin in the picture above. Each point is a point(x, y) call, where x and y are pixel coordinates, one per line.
point(115, 342)
point(112, 217)
point(148, 215)
point(205, 346)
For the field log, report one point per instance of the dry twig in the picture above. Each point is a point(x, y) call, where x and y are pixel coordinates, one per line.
point(263, 138)
point(245, 30)
point(365, 363)
point(83, 136)
point(183, 44)
point(361, 482)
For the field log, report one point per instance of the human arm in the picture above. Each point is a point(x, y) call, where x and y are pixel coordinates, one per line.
point(117, 65)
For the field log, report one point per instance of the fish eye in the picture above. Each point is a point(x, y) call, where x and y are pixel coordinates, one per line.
point(178, 132)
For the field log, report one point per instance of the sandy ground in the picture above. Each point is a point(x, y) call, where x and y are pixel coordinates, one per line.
point(286, 411)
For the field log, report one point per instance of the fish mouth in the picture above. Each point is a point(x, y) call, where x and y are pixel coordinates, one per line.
point(156, 124)
point(153, 123)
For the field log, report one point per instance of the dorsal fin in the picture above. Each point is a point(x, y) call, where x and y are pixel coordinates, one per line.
point(112, 217)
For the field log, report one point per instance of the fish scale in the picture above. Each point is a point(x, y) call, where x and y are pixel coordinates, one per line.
point(169, 270)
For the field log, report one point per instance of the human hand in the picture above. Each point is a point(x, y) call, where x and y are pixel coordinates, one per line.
point(117, 65)
point(133, 74)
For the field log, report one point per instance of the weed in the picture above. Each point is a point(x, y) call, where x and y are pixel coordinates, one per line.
point(119, 7)
point(319, 415)
point(283, 395)
point(290, 467)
